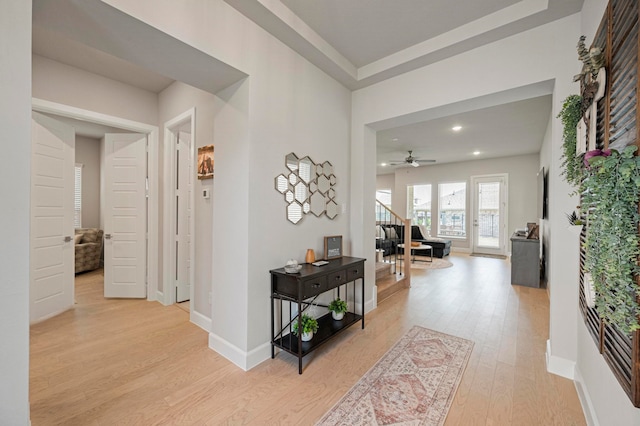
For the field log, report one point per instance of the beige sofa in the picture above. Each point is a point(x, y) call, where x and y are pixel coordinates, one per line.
point(88, 246)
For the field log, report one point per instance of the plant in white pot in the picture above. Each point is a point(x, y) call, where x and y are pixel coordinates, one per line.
point(309, 326)
point(338, 307)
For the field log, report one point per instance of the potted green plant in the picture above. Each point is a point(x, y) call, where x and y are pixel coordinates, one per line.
point(309, 326)
point(338, 307)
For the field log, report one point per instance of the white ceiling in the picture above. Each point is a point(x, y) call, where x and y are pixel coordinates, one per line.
point(364, 31)
point(358, 42)
point(514, 128)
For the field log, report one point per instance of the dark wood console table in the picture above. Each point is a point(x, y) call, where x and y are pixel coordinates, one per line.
point(302, 289)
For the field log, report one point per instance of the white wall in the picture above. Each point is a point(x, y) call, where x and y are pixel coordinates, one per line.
point(88, 154)
point(15, 117)
point(286, 105)
point(173, 101)
point(64, 84)
point(522, 191)
point(607, 403)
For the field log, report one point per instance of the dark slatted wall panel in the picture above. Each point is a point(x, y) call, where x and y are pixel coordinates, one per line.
point(617, 128)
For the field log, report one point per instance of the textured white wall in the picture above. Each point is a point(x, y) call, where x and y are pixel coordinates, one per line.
point(15, 118)
point(88, 154)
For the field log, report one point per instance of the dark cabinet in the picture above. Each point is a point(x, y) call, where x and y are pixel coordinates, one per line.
point(525, 261)
point(302, 289)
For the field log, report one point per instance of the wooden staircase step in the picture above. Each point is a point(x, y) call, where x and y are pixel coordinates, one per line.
point(389, 285)
point(383, 270)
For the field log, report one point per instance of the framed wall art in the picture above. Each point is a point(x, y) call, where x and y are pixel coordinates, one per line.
point(205, 162)
point(333, 247)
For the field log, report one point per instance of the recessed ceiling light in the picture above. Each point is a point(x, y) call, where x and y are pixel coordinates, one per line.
point(476, 152)
point(394, 140)
point(383, 164)
point(456, 128)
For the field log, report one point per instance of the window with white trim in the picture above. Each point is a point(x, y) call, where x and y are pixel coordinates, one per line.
point(452, 209)
point(77, 197)
point(419, 205)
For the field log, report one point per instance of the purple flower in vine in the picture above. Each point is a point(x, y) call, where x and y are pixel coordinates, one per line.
point(595, 153)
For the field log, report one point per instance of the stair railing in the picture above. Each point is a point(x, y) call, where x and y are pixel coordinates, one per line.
point(388, 219)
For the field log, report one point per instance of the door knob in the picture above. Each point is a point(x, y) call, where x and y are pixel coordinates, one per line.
point(67, 239)
point(107, 236)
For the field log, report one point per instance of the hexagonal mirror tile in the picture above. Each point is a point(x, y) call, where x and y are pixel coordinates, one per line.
point(331, 193)
point(318, 203)
point(327, 168)
point(306, 207)
point(332, 179)
point(288, 196)
point(282, 184)
point(294, 212)
point(293, 178)
point(319, 169)
point(306, 169)
point(332, 209)
point(313, 186)
point(323, 184)
point(301, 192)
point(291, 161)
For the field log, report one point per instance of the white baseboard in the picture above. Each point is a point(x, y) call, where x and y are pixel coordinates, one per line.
point(559, 366)
point(244, 360)
point(585, 400)
point(460, 249)
point(159, 297)
point(200, 320)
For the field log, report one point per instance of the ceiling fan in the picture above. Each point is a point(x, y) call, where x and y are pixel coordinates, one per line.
point(411, 161)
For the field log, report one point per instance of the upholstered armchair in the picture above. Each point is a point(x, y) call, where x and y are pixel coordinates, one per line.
point(88, 246)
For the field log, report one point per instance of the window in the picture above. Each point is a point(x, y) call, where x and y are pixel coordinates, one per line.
point(77, 201)
point(384, 196)
point(452, 206)
point(419, 205)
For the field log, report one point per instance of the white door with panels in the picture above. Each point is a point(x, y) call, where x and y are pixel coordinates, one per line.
point(125, 215)
point(184, 168)
point(51, 242)
point(489, 214)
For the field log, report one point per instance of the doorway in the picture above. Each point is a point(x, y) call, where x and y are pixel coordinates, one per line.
point(489, 214)
point(150, 258)
point(179, 250)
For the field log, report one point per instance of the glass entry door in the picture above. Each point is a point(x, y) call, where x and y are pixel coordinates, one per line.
point(489, 214)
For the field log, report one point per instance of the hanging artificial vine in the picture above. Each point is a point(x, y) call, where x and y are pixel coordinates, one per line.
point(610, 196)
point(570, 115)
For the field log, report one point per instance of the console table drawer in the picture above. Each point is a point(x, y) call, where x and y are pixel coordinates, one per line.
point(355, 272)
point(336, 278)
point(312, 287)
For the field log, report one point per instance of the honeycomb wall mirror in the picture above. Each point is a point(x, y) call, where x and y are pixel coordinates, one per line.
point(307, 188)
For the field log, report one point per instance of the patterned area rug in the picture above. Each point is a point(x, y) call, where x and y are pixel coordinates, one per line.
point(413, 384)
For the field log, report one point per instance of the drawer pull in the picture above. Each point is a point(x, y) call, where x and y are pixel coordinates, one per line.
point(338, 277)
point(315, 285)
point(355, 271)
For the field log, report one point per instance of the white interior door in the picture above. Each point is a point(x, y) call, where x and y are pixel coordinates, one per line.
point(125, 215)
point(51, 247)
point(489, 214)
point(184, 168)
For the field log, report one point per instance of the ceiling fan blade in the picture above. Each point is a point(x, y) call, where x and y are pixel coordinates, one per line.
point(414, 163)
point(425, 161)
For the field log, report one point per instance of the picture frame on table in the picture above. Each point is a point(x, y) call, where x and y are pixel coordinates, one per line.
point(333, 247)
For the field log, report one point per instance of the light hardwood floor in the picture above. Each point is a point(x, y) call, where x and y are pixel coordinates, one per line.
point(140, 363)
